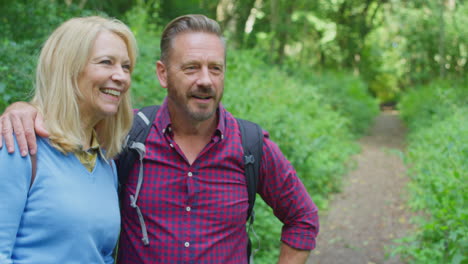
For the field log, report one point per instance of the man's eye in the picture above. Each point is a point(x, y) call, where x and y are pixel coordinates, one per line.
point(217, 69)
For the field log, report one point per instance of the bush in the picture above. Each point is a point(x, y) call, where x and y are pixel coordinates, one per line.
point(21, 41)
point(424, 105)
point(437, 153)
point(145, 86)
point(348, 95)
point(17, 71)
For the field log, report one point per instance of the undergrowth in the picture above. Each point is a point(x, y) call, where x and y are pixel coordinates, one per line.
point(437, 117)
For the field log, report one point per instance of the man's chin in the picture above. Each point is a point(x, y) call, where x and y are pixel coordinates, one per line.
point(202, 115)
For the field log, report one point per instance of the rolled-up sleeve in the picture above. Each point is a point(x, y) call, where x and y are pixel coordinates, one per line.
point(284, 192)
point(15, 179)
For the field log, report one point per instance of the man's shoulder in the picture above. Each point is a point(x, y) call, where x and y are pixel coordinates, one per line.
point(231, 118)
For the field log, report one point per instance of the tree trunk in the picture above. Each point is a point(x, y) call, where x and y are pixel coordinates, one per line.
point(225, 13)
point(243, 10)
point(273, 24)
point(283, 30)
point(442, 40)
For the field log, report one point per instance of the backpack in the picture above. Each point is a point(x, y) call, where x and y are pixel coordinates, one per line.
point(134, 148)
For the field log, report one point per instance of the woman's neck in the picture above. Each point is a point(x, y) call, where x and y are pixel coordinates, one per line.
point(88, 129)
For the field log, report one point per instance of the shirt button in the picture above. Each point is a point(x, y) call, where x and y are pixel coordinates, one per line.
point(172, 146)
point(188, 208)
point(190, 174)
point(187, 244)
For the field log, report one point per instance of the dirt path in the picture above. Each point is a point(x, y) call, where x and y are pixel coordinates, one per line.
point(370, 211)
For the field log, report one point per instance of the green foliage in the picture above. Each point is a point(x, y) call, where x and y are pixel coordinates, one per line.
point(425, 105)
point(35, 20)
point(346, 94)
point(437, 116)
point(382, 63)
point(171, 9)
point(16, 72)
point(21, 41)
point(268, 232)
point(397, 54)
point(422, 40)
point(145, 87)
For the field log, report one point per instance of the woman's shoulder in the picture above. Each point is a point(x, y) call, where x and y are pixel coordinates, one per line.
point(43, 144)
point(13, 163)
point(4, 150)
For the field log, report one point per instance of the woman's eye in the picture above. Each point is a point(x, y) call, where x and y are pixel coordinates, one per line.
point(127, 67)
point(107, 62)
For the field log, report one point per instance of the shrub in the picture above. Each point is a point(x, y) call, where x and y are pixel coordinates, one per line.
point(437, 153)
point(17, 71)
point(348, 95)
point(21, 41)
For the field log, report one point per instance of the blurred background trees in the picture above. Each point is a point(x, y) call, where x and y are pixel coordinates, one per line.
point(391, 44)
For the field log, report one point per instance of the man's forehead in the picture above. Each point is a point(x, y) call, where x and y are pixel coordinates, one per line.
point(199, 45)
point(195, 37)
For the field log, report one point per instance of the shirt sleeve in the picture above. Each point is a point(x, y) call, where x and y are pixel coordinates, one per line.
point(15, 179)
point(284, 192)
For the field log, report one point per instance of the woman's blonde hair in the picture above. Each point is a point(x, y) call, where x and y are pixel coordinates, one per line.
point(63, 58)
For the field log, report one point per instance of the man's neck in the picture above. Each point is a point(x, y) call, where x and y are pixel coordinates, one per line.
point(189, 128)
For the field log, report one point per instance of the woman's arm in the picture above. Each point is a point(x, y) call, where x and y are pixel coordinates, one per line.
point(15, 180)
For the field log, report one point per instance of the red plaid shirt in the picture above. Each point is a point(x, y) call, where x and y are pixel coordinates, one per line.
point(197, 213)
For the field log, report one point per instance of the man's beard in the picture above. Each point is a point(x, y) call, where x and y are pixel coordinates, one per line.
point(198, 116)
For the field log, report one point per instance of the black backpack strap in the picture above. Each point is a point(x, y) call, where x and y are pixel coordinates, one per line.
point(141, 127)
point(135, 148)
point(252, 143)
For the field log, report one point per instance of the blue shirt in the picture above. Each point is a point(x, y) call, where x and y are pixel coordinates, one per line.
point(68, 215)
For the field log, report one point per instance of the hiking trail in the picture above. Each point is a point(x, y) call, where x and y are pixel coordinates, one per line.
point(371, 210)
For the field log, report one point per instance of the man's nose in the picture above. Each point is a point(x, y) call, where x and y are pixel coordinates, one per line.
point(204, 77)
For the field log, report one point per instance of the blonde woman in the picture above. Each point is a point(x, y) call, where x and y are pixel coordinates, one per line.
point(61, 205)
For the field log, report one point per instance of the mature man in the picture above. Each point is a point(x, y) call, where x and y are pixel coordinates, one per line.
point(193, 200)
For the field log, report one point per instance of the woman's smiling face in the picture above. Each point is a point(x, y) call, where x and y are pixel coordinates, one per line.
point(105, 78)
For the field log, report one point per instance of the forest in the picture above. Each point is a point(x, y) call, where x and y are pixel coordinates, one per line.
point(324, 68)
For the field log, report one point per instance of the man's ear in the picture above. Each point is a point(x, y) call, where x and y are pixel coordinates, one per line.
point(161, 72)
